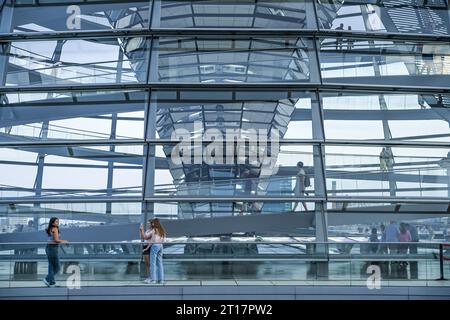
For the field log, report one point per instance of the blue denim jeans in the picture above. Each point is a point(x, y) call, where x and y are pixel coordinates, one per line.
point(156, 262)
point(53, 262)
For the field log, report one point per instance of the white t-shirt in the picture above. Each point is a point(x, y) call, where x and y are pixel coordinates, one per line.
point(156, 238)
point(147, 235)
point(298, 185)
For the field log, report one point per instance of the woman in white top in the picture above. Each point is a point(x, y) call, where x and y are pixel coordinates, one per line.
point(158, 235)
point(145, 237)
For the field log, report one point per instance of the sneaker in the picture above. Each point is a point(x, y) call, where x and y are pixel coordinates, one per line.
point(147, 280)
point(46, 282)
point(153, 282)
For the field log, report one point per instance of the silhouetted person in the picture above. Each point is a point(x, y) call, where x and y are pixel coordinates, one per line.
point(413, 250)
point(350, 41)
point(392, 234)
point(338, 39)
point(374, 241)
point(300, 185)
point(403, 237)
point(382, 249)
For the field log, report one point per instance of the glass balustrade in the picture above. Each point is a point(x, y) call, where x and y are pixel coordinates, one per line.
point(121, 263)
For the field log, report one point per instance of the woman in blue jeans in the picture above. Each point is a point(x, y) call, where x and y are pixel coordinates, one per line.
point(158, 235)
point(52, 251)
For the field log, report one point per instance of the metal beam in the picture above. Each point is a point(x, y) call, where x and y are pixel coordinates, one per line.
point(375, 86)
point(266, 223)
point(30, 142)
point(25, 113)
point(175, 228)
point(77, 152)
point(218, 33)
point(331, 114)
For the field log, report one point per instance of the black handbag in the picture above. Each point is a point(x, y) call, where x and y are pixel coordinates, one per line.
point(146, 249)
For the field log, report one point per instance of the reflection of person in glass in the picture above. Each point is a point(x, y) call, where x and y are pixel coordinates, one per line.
point(428, 64)
point(300, 184)
point(339, 39)
point(350, 41)
point(386, 159)
point(413, 250)
point(52, 251)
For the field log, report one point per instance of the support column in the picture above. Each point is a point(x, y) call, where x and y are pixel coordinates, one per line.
point(148, 170)
point(390, 160)
point(445, 164)
point(314, 62)
point(448, 175)
point(148, 183)
point(6, 14)
point(383, 106)
point(109, 183)
point(311, 15)
point(149, 161)
point(319, 270)
point(156, 14)
point(112, 148)
point(319, 161)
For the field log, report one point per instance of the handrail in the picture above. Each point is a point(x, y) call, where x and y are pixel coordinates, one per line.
point(235, 242)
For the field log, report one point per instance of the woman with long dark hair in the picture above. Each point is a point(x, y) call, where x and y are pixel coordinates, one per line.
point(51, 250)
point(158, 235)
point(145, 237)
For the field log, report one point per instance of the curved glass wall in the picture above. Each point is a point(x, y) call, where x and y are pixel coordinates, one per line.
point(387, 172)
point(397, 16)
point(71, 61)
point(93, 123)
point(234, 60)
point(37, 171)
point(385, 62)
point(72, 115)
point(237, 14)
point(386, 116)
point(60, 15)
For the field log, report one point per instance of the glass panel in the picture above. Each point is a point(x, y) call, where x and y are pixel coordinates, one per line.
point(24, 217)
point(196, 111)
point(233, 258)
point(193, 170)
point(377, 231)
point(236, 14)
point(420, 17)
point(45, 16)
point(38, 171)
point(386, 62)
point(76, 61)
point(234, 60)
point(190, 179)
point(430, 226)
point(72, 115)
point(387, 171)
point(404, 117)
